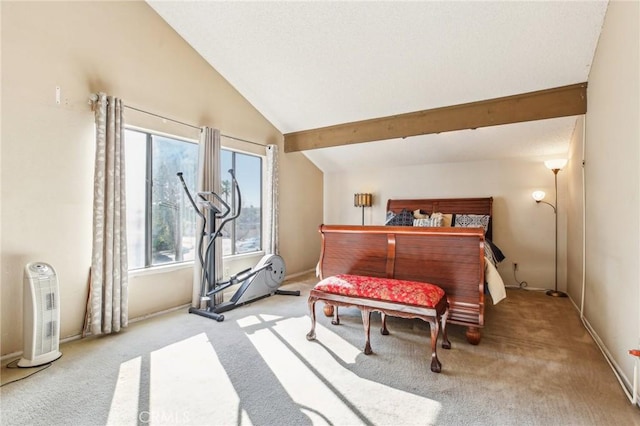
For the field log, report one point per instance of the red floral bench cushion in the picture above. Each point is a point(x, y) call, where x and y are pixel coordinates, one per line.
point(388, 289)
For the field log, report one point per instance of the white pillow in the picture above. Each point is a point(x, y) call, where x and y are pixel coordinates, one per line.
point(417, 214)
point(446, 218)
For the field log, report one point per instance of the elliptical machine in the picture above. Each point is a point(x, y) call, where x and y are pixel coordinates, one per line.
point(256, 283)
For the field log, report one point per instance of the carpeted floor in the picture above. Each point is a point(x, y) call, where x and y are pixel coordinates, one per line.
point(536, 365)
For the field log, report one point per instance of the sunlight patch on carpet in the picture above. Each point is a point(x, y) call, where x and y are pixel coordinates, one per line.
point(184, 369)
point(270, 318)
point(250, 320)
point(124, 405)
point(305, 388)
point(338, 346)
point(324, 389)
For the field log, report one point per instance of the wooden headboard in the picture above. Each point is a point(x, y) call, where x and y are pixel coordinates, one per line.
point(447, 205)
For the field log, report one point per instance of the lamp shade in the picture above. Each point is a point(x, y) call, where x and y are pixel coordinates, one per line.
point(362, 200)
point(557, 164)
point(538, 195)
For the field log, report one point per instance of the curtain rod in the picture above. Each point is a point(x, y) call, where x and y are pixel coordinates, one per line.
point(164, 118)
point(191, 125)
point(94, 98)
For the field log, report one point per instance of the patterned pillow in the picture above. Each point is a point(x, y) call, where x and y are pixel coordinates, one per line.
point(404, 218)
point(447, 218)
point(433, 221)
point(472, 221)
point(390, 215)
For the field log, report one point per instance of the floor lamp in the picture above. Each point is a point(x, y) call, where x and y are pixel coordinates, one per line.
point(555, 166)
point(362, 200)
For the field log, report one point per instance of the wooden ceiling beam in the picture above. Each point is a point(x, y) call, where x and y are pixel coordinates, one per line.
point(543, 104)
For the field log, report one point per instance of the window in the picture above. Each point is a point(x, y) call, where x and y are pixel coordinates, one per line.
point(160, 219)
point(243, 235)
point(161, 222)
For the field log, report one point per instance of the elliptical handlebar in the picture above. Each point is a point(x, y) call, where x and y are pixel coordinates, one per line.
point(193, 203)
point(238, 203)
point(203, 197)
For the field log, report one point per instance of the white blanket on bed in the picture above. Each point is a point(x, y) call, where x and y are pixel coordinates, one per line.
point(494, 282)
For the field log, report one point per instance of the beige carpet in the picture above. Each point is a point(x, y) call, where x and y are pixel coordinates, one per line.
point(536, 365)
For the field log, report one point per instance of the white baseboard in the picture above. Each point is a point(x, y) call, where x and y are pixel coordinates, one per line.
point(624, 381)
point(155, 314)
point(3, 358)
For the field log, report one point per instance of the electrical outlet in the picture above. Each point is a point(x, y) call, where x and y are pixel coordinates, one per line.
point(515, 266)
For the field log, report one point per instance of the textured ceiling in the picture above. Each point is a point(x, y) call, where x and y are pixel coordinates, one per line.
point(305, 65)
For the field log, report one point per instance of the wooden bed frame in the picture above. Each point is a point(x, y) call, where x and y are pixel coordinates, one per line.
point(452, 258)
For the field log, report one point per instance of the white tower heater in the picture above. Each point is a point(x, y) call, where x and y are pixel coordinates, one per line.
point(41, 315)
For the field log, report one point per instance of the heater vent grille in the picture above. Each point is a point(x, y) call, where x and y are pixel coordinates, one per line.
point(51, 301)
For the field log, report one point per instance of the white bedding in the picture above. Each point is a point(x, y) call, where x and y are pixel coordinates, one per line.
point(494, 282)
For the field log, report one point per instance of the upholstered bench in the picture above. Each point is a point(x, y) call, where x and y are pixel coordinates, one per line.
point(398, 298)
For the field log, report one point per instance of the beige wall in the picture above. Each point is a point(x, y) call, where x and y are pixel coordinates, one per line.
point(47, 149)
point(523, 230)
point(575, 209)
point(612, 183)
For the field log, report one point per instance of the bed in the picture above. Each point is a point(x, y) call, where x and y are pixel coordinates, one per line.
point(456, 258)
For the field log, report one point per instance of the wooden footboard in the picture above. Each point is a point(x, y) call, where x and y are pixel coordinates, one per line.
point(452, 258)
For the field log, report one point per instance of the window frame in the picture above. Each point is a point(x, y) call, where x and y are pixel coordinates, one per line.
point(148, 204)
point(148, 207)
point(260, 158)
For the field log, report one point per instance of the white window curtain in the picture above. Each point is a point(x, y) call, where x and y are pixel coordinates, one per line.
point(107, 307)
point(271, 201)
point(209, 180)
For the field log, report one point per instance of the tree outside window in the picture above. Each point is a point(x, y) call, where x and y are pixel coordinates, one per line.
point(161, 222)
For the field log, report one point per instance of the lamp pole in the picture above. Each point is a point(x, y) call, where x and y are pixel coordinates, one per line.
point(555, 166)
point(555, 291)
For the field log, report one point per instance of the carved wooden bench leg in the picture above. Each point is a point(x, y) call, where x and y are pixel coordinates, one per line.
point(366, 321)
point(446, 344)
point(336, 319)
point(383, 330)
point(436, 366)
point(312, 311)
point(473, 335)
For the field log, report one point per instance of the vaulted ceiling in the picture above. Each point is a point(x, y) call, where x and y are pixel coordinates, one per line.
point(307, 65)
